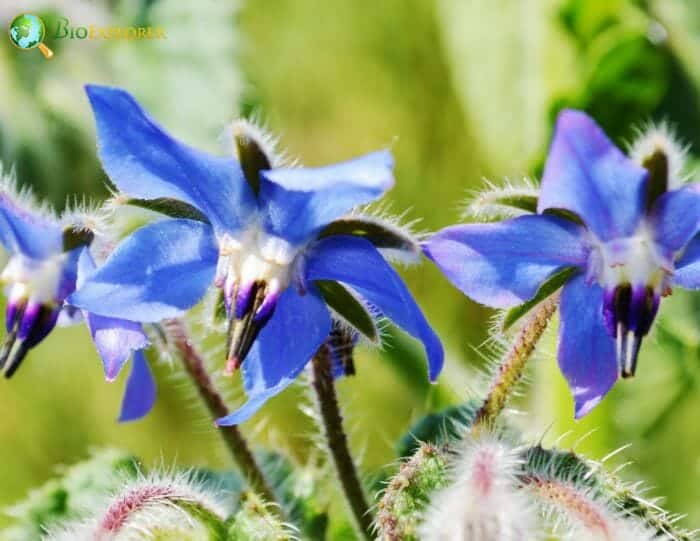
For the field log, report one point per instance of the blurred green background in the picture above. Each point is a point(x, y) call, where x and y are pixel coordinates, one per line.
point(460, 91)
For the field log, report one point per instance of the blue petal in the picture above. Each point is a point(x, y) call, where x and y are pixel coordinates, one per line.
point(587, 175)
point(687, 273)
point(28, 233)
point(298, 327)
point(144, 161)
point(503, 264)
point(114, 340)
point(586, 349)
point(158, 272)
point(140, 392)
point(676, 218)
point(297, 202)
point(357, 263)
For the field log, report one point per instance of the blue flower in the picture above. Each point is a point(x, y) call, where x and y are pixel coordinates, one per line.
point(48, 258)
point(629, 238)
point(255, 229)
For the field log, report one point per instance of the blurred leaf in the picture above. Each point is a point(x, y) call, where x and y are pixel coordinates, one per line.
point(586, 19)
point(298, 493)
point(438, 428)
point(627, 84)
point(408, 360)
point(227, 483)
point(506, 78)
point(71, 495)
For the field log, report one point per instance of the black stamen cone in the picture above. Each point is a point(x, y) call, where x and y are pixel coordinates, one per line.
point(43, 325)
point(633, 311)
point(11, 337)
point(17, 357)
point(243, 331)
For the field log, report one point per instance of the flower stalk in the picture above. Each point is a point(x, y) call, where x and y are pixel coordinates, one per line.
point(234, 440)
point(337, 441)
point(511, 369)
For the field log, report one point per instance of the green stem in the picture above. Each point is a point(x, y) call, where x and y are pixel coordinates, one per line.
point(511, 369)
point(234, 440)
point(327, 402)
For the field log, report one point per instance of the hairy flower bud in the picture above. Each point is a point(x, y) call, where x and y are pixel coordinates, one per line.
point(483, 503)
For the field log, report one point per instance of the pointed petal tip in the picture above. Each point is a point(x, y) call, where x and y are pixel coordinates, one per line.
point(96, 92)
point(568, 117)
point(229, 420)
point(585, 405)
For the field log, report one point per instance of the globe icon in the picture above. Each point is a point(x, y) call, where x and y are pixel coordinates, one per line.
point(27, 31)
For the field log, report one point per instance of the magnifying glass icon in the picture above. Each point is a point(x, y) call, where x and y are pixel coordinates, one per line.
point(27, 32)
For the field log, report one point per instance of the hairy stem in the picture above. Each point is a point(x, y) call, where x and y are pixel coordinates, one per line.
point(234, 440)
point(511, 369)
point(337, 442)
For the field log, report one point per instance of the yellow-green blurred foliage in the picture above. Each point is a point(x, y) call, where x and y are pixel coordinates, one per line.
point(459, 90)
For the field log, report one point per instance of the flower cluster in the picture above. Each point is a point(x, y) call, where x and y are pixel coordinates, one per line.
point(296, 270)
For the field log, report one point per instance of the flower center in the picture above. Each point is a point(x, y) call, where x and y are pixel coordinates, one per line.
point(37, 289)
point(634, 276)
point(252, 272)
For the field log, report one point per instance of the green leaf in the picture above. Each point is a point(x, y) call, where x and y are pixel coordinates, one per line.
point(298, 494)
point(349, 307)
point(169, 207)
point(407, 358)
point(546, 289)
point(381, 234)
point(437, 428)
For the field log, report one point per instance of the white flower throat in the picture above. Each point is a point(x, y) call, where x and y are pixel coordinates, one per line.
point(634, 275)
point(252, 272)
point(32, 279)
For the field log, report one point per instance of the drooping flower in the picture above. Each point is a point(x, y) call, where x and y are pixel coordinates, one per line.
point(49, 256)
point(275, 240)
point(628, 231)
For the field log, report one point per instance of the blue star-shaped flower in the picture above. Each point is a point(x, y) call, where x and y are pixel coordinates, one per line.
point(48, 258)
point(628, 241)
point(256, 235)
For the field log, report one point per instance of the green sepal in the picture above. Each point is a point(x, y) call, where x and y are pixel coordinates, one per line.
point(658, 167)
point(549, 287)
point(349, 307)
point(75, 237)
point(380, 234)
point(169, 207)
point(525, 202)
point(252, 158)
point(503, 202)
